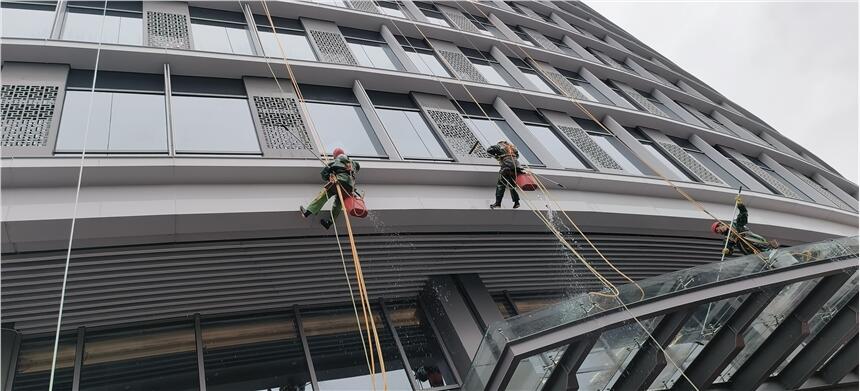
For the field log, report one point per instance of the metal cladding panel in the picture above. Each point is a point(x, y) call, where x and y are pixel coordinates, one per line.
point(127, 284)
point(681, 156)
point(166, 24)
point(611, 61)
point(281, 127)
point(641, 100)
point(461, 65)
point(542, 41)
point(32, 99)
point(366, 6)
point(582, 141)
point(762, 174)
point(452, 128)
point(707, 120)
point(328, 42)
point(827, 194)
point(457, 18)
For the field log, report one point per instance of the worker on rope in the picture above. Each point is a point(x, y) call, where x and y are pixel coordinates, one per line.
point(430, 374)
point(740, 237)
point(338, 172)
point(507, 155)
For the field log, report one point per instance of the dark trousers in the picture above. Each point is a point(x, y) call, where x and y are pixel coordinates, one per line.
point(507, 179)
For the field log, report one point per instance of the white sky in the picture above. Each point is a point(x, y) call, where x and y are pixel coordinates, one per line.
point(791, 63)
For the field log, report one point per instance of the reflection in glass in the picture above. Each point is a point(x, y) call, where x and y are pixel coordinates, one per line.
point(556, 148)
point(85, 25)
point(427, 63)
point(213, 125)
point(491, 132)
point(33, 371)
point(411, 135)
point(261, 353)
point(119, 122)
point(338, 354)
point(344, 126)
point(532, 372)
point(295, 44)
point(221, 37)
point(157, 358)
point(612, 352)
point(421, 345)
point(375, 55)
point(27, 21)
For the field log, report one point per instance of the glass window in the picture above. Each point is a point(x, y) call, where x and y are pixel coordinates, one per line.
point(119, 122)
point(492, 131)
point(373, 54)
point(674, 171)
point(614, 148)
point(203, 124)
point(27, 20)
point(717, 169)
point(494, 73)
point(411, 135)
point(432, 13)
point(214, 36)
point(391, 8)
point(85, 24)
point(295, 44)
point(563, 46)
point(584, 87)
point(556, 147)
point(336, 350)
point(523, 36)
point(345, 126)
point(538, 81)
point(780, 178)
point(33, 370)
point(427, 63)
point(141, 358)
point(422, 348)
point(260, 353)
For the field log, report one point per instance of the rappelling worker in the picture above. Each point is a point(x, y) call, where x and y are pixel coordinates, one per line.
point(748, 242)
point(507, 155)
point(338, 172)
point(431, 374)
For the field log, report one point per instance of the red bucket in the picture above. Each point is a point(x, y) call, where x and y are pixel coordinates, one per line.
point(355, 206)
point(526, 182)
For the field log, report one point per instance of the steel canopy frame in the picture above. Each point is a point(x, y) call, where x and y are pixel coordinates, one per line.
point(516, 351)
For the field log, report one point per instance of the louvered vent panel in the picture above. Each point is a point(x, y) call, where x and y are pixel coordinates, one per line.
point(691, 163)
point(585, 144)
point(462, 66)
point(767, 177)
point(457, 134)
point(283, 126)
point(460, 21)
point(167, 30)
point(27, 112)
point(332, 47)
point(641, 100)
point(114, 285)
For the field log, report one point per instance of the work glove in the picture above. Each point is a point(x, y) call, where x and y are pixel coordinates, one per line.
point(739, 200)
point(726, 251)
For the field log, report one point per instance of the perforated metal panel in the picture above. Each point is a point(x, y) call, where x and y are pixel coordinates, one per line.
point(167, 30)
point(282, 125)
point(545, 43)
point(366, 6)
point(459, 20)
point(826, 193)
point(693, 165)
point(767, 177)
point(707, 120)
point(587, 146)
point(611, 62)
point(561, 82)
point(461, 66)
point(457, 134)
point(641, 100)
point(27, 114)
point(332, 47)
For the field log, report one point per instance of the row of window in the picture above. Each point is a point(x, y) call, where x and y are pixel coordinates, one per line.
point(213, 116)
point(260, 352)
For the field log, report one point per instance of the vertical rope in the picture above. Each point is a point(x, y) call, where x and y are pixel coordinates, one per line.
point(77, 199)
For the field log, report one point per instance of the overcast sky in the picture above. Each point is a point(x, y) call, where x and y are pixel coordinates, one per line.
point(791, 63)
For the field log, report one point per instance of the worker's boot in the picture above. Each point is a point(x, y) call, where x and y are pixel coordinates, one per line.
point(496, 205)
point(326, 223)
point(516, 205)
point(305, 212)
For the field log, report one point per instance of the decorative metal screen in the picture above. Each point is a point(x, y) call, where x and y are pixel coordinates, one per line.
point(641, 100)
point(545, 43)
point(27, 114)
point(699, 170)
point(460, 21)
point(366, 6)
point(457, 134)
point(826, 193)
point(462, 66)
point(332, 47)
point(590, 148)
point(564, 85)
point(611, 61)
point(767, 177)
point(282, 124)
point(167, 30)
point(708, 120)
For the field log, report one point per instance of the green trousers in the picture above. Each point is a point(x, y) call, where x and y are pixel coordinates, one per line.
point(322, 198)
point(506, 180)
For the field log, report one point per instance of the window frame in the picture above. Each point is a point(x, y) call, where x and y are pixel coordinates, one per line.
point(488, 60)
point(643, 139)
point(282, 26)
point(371, 132)
point(414, 109)
point(33, 6)
point(214, 21)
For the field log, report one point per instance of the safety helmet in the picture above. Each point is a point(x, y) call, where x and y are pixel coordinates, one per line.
point(715, 226)
point(337, 152)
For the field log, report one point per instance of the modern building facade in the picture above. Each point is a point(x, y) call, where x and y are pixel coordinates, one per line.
point(181, 143)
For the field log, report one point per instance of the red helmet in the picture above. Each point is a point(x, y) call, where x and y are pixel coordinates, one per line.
point(715, 226)
point(337, 152)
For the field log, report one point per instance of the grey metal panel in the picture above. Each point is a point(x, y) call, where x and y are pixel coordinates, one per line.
point(519, 127)
point(449, 124)
point(364, 5)
point(835, 200)
point(787, 336)
point(762, 174)
point(790, 177)
point(279, 119)
point(727, 164)
point(650, 359)
point(449, 310)
point(835, 334)
point(836, 190)
point(843, 362)
point(563, 376)
point(8, 356)
point(375, 122)
point(457, 19)
point(582, 142)
point(558, 80)
point(682, 157)
point(456, 61)
point(167, 24)
point(32, 100)
point(641, 100)
point(541, 40)
point(475, 293)
point(117, 285)
point(328, 42)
